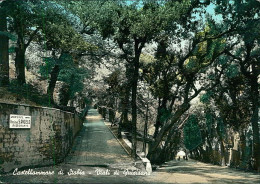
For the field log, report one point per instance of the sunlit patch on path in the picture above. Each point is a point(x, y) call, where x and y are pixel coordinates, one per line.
point(96, 150)
point(96, 145)
point(93, 117)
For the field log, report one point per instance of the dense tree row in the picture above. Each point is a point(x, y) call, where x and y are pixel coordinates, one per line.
point(190, 68)
point(59, 33)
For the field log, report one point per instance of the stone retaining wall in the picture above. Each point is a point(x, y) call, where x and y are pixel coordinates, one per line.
point(47, 141)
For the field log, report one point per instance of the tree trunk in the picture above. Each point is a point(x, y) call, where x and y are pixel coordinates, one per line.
point(119, 136)
point(222, 151)
point(157, 123)
point(126, 96)
point(166, 150)
point(160, 112)
point(112, 109)
point(4, 55)
point(123, 123)
point(133, 103)
point(183, 108)
point(209, 149)
point(111, 115)
point(254, 120)
point(54, 77)
point(243, 154)
point(20, 62)
point(145, 129)
point(125, 107)
point(64, 95)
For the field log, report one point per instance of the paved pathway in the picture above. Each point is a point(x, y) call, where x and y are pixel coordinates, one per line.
point(96, 146)
point(196, 172)
point(97, 153)
point(95, 157)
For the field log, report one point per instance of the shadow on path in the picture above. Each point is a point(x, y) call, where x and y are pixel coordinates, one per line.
point(96, 146)
point(96, 153)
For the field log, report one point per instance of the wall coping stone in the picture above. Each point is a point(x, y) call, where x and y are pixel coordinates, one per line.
point(34, 106)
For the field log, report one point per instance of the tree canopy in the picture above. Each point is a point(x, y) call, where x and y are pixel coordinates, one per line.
point(177, 74)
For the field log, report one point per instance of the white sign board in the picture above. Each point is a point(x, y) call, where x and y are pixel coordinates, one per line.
point(19, 121)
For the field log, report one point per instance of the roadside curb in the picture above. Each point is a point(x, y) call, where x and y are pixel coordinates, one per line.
point(141, 155)
point(116, 137)
point(146, 162)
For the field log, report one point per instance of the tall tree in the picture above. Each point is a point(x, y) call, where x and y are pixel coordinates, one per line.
point(66, 44)
point(187, 68)
point(161, 82)
point(23, 18)
point(62, 36)
point(27, 20)
point(4, 44)
point(243, 16)
point(73, 78)
point(131, 27)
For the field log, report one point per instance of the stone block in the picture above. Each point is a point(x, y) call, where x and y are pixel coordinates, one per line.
point(2, 130)
point(1, 160)
point(35, 146)
point(16, 162)
point(13, 149)
point(5, 149)
point(17, 153)
point(6, 144)
point(6, 140)
point(7, 136)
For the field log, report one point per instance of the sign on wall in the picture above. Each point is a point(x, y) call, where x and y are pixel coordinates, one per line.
point(19, 121)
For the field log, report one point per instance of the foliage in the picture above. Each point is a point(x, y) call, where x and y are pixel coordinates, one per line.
point(29, 92)
point(192, 135)
point(9, 35)
point(205, 98)
point(64, 37)
point(74, 77)
point(215, 59)
point(70, 73)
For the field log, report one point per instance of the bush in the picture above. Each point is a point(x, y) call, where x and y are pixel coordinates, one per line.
point(29, 92)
